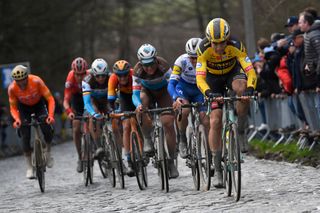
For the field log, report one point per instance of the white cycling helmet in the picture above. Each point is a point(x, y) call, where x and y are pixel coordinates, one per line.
point(20, 72)
point(192, 46)
point(99, 67)
point(146, 53)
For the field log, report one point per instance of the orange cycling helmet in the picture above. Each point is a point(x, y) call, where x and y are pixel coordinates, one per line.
point(218, 30)
point(121, 67)
point(79, 65)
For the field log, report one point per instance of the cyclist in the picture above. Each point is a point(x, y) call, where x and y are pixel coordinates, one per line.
point(73, 101)
point(26, 96)
point(150, 80)
point(121, 80)
point(183, 89)
point(224, 62)
point(95, 98)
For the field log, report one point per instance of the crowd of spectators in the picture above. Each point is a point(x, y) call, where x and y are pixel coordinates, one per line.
point(288, 64)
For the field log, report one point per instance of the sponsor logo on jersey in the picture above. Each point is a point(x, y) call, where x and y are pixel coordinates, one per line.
point(247, 59)
point(198, 65)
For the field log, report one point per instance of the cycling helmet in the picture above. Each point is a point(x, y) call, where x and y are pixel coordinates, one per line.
point(146, 53)
point(20, 72)
point(218, 30)
point(121, 67)
point(99, 67)
point(79, 65)
point(192, 46)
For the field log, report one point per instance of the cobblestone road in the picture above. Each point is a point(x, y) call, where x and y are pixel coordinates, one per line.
point(267, 187)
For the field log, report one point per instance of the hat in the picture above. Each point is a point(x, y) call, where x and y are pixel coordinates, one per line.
point(268, 49)
point(296, 33)
point(291, 21)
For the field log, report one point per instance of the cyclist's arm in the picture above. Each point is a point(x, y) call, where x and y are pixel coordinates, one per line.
point(112, 85)
point(174, 79)
point(247, 66)
point(136, 88)
point(86, 94)
point(48, 96)
point(67, 95)
point(201, 73)
point(13, 101)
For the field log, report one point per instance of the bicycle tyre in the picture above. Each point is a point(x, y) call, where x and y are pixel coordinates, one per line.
point(192, 149)
point(40, 164)
point(110, 164)
point(118, 163)
point(101, 162)
point(226, 173)
point(235, 162)
point(204, 159)
point(137, 161)
point(163, 162)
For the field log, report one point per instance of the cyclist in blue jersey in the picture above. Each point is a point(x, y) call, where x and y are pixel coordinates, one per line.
point(149, 85)
point(95, 98)
point(183, 90)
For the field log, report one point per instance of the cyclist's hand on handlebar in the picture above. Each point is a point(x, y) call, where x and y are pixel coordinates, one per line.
point(50, 120)
point(177, 104)
point(97, 116)
point(71, 115)
point(216, 96)
point(16, 124)
point(247, 93)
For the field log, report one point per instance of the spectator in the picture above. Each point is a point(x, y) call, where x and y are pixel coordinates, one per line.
point(292, 24)
point(311, 44)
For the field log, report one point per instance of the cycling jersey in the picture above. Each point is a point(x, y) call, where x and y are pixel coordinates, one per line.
point(156, 81)
point(210, 61)
point(184, 72)
point(72, 87)
point(91, 89)
point(114, 86)
point(30, 96)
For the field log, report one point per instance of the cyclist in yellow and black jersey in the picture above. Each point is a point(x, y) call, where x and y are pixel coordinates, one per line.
point(224, 62)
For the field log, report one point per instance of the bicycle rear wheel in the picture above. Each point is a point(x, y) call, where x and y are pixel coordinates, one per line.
point(137, 161)
point(192, 149)
point(204, 159)
point(235, 162)
point(40, 164)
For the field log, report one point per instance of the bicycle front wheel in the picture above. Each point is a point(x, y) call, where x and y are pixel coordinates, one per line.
point(118, 163)
point(235, 162)
point(227, 182)
point(163, 161)
point(137, 161)
point(39, 164)
point(204, 159)
point(86, 153)
point(192, 149)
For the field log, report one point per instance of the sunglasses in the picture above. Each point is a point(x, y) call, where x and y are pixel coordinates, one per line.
point(80, 74)
point(219, 43)
point(122, 74)
point(101, 76)
point(148, 64)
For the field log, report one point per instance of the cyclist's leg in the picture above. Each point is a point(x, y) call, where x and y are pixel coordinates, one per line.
point(239, 85)
point(127, 105)
point(147, 127)
point(78, 106)
point(25, 131)
point(217, 85)
point(182, 90)
point(167, 120)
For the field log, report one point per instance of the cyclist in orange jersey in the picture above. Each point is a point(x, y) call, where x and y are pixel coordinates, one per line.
point(73, 101)
point(26, 96)
point(121, 79)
